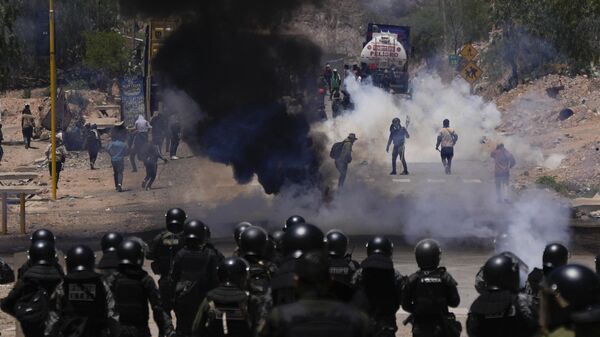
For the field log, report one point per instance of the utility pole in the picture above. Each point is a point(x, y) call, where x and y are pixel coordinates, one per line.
point(53, 99)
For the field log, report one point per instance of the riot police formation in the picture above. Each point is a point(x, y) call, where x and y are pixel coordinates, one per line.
point(315, 314)
point(193, 275)
point(30, 299)
point(84, 304)
point(502, 310)
point(570, 302)
point(229, 309)
point(163, 249)
point(207, 246)
point(133, 289)
point(40, 235)
point(297, 240)
point(293, 220)
point(109, 262)
point(253, 247)
point(341, 266)
point(237, 232)
point(428, 294)
point(379, 286)
point(555, 255)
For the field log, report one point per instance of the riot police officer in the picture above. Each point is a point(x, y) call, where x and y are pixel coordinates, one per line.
point(229, 310)
point(307, 316)
point(379, 286)
point(570, 302)
point(40, 235)
point(254, 242)
point(480, 284)
point(428, 294)
point(85, 304)
point(501, 310)
point(208, 247)
point(276, 238)
point(293, 220)
point(163, 249)
point(237, 232)
point(133, 289)
point(194, 274)
point(39, 282)
point(297, 240)
point(555, 255)
point(109, 262)
point(341, 265)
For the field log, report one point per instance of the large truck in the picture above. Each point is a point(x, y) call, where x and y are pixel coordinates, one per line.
point(385, 55)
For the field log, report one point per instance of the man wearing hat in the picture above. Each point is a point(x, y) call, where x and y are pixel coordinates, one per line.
point(344, 158)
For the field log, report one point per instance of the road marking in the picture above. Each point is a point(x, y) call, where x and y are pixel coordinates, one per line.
point(436, 180)
point(397, 180)
point(472, 181)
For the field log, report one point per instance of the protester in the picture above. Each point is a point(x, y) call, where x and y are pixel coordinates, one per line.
point(117, 149)
point(175, 129)
point(447, 138)
point(92, 143)
point(342, 154)
point(61, 157)
point(27, 125)
point(151, 156)
point(504, 161)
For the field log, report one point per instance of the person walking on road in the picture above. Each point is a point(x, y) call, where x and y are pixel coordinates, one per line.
point(175, 130)
point(61, 157)
point(504, 161)
point(92, 143)
point(1, 140)
point(447, 138)
point(117, 149)
point(151, 157)
point(341, 152)
point(27, 125)
point(398, 135)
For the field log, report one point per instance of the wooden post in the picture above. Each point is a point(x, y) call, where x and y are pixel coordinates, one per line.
point(22, 213)
point(4, 214)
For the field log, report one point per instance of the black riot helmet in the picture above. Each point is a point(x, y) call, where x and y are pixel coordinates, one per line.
point(207, 233)
point(254, 241)
point(237, 231)
point(80, 258)
point(292, 221)
point(555, 255)
point(501, 272)
point(567, 290)
point(233, 271)
point(42, 253)
point(130, 253)
point(110, 241)
point(42, 235)
point(336, 243)
point(277, 237)
point(428, 254)
point(380, 245)
point(302, 238)
point(194, 232)
point(175, 219)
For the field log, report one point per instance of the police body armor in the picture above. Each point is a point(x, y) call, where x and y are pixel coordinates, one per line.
point(85, 298)
point(283, 283)
point(194, 277)
point(342, 271)
point(430, 293)
point(259, 278)
point(495, 313)
point(165, 252)
point(131, 300)
point(228, 313)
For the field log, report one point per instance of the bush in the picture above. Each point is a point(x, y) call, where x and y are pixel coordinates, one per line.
point(26, 93)
point(551, 183)
point(105, 51)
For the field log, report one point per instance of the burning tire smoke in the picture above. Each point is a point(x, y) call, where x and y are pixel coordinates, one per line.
point(251, 81)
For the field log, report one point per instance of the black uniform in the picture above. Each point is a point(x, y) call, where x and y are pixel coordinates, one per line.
point(39, 280)
point(227, 311)
point(85, 307)
point(25, 267)
point(500, 314)
point(427, 296)
point(133, 289)
point(283, 282)
point(109, 263)
point(162, 252)
point(7, 275)
point(342, 270)
point(379, 292)
point(194, 274)
point(315, 316)
point(259, 283)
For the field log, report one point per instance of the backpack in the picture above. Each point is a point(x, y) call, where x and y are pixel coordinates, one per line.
point(33, 307)
point(229, 319)
point(336, 150)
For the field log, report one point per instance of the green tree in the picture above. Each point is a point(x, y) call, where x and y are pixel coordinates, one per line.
point(105, 51)
point(9, 49)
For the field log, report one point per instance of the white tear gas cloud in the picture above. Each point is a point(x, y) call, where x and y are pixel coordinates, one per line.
point(447, 212)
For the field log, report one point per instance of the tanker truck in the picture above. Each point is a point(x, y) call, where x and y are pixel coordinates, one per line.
point(385, 55)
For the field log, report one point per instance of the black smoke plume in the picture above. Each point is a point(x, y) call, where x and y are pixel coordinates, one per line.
point(252, 81)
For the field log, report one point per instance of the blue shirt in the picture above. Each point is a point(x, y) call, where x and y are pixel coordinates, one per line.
point(117, 150)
